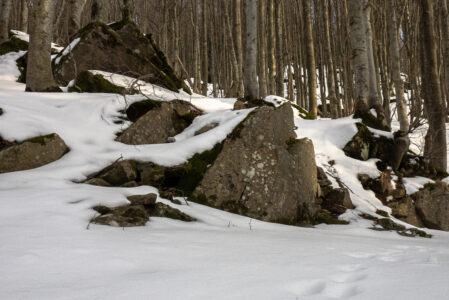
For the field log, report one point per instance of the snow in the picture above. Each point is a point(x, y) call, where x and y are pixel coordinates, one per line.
point(48, 249)
point(67, 50)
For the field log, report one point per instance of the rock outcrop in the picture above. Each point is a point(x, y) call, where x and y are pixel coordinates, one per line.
point(32, 153)
point(138, 212)
point(163, 120)
point(118, 48)
point(263, 171)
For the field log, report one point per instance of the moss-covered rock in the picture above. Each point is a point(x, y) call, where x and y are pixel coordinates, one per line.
point(86, 82)
point(14, 44)
point(119, 48)
point(160, 121)
point(303, 113)
point(139, 108)
point(137, 213)
point(372, 121)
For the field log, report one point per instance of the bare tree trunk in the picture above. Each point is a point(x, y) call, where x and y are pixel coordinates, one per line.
point(262, 70)
point(396, 66)
point(272, 48)
point(279, 80)
point(359, 54)
point(6, 6)
point(127, 11)
point(204, 49)
point(237, 33)
point(402, 142)
point(445, 16)
point(99, 10)
point(329, 64)
point(250, 70)
point(310, 52)
point(39, 72)
point(75, 10)
point(435, 147)
point(24, 16)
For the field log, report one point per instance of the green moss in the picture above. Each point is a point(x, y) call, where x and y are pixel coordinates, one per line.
point(382, 213)
point(120, 24)
point(13, 45)
point(326, 218)
point(139, 108)
point(41, 139)
point(430, 186)
point(389, 224)
point(88, 82)
point(102, 210)
point(304, 114)
point(371, 121)
point(187, 177)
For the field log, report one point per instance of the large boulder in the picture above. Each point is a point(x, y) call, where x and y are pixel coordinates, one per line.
point(163, 120)
point(263, 171)
point(32, 153)
point(118, 48)
point(432, 205)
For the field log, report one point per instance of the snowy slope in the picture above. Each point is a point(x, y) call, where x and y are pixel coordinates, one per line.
point(48, 251)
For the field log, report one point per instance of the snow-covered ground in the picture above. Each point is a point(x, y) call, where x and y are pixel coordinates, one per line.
point(48, 250)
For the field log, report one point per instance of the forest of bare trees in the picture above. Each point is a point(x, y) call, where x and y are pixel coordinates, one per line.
point(332, 57)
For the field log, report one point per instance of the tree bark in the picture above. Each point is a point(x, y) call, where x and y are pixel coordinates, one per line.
point(435, 141)
point(237, 33)
point(250, 70)
point(5, 13)
point(310, 58)
point(359, 54)
point(24, 16)
point(39, 72)
point(75, 10)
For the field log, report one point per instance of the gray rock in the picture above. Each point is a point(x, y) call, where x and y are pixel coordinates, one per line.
point(263, 172)
point(432, 205)
point(158, 124)
point(119, 173)
point(98, 182)
point(206, 128)
point(32, 153)
point(147, 199)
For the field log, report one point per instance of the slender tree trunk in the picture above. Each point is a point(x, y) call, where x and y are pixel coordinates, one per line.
point(237, 33)
point(329, 64)
point(24, 16)
point(262, 69)
point(310, 52)
point(272, 47)
point(250, 70)
point(204, 48)
point(359, 54)
point(373, 97)
point(127, 11)
point(435, 141)
point(396, 66)
point(445, 31)
point(5, 13)
point(39, 72)
point(99, 10)
point(75, 10)
point(279, 80)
